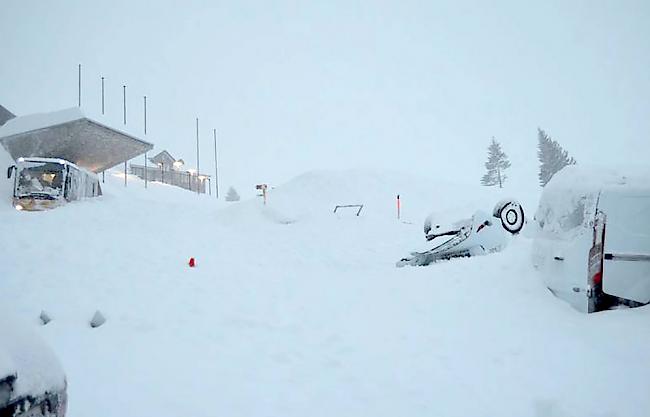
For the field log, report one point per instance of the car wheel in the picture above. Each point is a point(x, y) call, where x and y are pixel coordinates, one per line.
point(511, 214)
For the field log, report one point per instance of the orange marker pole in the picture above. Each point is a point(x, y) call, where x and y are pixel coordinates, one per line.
point(398, 207)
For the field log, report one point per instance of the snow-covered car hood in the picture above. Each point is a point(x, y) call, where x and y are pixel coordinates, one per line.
point(26, 356)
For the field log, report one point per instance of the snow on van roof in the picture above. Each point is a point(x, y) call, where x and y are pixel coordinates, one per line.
point(582, 179)
point(569, 200)
point(37, 121)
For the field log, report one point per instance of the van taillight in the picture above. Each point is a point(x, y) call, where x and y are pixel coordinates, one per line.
point(595, 264)
point(597, 278)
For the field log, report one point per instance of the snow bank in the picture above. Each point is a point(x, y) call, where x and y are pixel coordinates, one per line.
point(314, 195)
point(37, 121)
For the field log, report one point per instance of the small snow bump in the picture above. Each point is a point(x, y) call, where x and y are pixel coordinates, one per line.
point(97, 320)
point(45, 318)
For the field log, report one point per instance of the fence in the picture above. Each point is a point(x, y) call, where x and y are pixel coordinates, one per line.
point(182, 179)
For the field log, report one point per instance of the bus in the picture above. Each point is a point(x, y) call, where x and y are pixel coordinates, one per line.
point(44, 183)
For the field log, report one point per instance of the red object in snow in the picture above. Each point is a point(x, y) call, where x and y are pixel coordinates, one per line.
point(192, 263)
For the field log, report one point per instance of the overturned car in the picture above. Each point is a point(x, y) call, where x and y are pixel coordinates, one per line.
point(479, 235)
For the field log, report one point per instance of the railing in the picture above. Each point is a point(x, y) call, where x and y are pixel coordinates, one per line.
point(180, 179)
point(359, 206)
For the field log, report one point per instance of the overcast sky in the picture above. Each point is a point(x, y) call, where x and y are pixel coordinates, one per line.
point(415, 86)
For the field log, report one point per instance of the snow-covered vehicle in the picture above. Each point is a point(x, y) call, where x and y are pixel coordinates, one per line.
point(478, 235)
point(42, 183)
point(32, 383)
point(593, 239)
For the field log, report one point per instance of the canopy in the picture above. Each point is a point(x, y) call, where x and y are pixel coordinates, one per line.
point(70, 135)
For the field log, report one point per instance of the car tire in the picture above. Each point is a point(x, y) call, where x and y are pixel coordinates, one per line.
point(511, 215)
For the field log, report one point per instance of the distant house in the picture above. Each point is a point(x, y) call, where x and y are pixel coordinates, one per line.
point(166, 169)
point(164, 160)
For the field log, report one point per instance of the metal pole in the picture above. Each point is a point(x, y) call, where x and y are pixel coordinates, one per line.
point(124, 101)
point(102, 95)
point(209, 186)
point(79, 85)
point(198, 170)
point(145, 115)
point(216, 167)
point(145, 133)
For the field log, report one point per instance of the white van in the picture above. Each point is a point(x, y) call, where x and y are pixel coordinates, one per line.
point(593, 238)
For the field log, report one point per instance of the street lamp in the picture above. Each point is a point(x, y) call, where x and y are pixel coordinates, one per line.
point(191, 172)
point(202, 184)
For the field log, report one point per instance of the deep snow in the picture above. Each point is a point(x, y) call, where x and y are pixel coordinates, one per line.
point(293, 310)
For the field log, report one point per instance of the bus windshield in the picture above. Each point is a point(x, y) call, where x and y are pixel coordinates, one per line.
point(40, 179)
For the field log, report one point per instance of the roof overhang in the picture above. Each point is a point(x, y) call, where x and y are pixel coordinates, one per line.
point(84, 142)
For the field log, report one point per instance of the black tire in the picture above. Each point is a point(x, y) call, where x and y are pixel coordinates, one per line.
point(511, 214)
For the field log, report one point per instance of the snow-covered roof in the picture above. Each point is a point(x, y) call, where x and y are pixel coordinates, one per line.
point(161, 156)
point(23, 124)
point(71, 135)
point(46, 160)
point(5, 115)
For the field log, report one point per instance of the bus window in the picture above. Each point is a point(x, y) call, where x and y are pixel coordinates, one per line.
point(44, 179)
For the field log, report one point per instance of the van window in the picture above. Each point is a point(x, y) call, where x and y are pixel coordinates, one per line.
point(565, 214)
point(576, 218)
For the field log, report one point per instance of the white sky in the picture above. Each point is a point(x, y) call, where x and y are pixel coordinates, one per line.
point(416, 86)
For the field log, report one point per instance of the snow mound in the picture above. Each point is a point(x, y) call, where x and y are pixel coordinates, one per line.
point(314, 195)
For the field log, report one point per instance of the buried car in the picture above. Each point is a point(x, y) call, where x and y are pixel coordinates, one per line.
point(32, 383)
point(479, 235)
point(592, 243)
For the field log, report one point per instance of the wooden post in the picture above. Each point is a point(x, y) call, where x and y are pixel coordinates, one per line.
point(263, 188)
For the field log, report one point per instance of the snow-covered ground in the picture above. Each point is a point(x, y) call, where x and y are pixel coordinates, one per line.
point(293, 310)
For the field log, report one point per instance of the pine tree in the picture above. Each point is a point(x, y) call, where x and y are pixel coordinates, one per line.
point(232, 195)
point(496, 164)
point(552, 157)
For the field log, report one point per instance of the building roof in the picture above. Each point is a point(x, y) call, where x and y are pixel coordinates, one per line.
point(70, 135)
point(5, 115)
point(164, 157)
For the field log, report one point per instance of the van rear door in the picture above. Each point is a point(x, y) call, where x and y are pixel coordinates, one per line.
point(626, 270)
